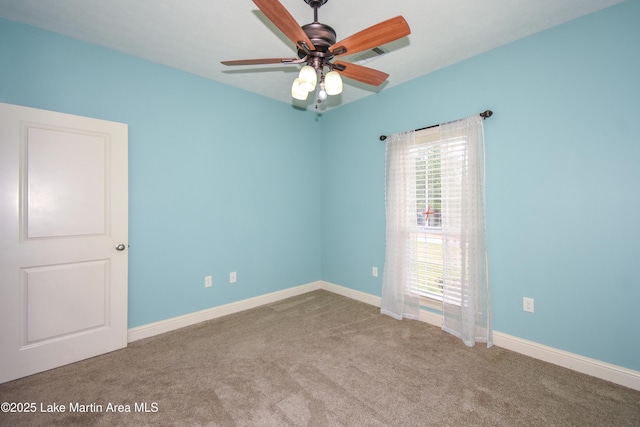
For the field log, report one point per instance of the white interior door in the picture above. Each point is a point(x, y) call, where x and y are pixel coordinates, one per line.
point(63, 215)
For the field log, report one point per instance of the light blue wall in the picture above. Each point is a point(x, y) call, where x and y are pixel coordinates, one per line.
point(219, 180)
point(563, 180)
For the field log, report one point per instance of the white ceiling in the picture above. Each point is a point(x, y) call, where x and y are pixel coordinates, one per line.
point(195, 35)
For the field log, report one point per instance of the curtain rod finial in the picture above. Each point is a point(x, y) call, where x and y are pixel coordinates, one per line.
point(486, 114)
point(383, 137)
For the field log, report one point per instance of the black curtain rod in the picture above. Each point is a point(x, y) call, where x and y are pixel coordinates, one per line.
point(485, 115)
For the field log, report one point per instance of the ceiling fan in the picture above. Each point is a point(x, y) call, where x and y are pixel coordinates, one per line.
point(317, 47)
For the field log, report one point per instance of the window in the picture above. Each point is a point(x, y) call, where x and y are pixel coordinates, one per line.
point(436, 252)
point(435, 160)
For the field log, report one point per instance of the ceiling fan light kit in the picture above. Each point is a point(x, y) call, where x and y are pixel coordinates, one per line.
point(317, 47)
point(297, 92)
point(308, 78)
point(333, 83)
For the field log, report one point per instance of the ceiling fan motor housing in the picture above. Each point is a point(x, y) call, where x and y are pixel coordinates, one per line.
point(322, 36)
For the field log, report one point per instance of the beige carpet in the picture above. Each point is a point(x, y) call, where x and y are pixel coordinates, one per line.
point(317, 359)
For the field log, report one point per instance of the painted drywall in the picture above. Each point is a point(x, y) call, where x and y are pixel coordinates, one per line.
point(563, 167)
point(220, 179)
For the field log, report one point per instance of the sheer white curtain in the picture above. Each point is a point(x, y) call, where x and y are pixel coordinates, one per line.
point(465, 293)
point(399, 299)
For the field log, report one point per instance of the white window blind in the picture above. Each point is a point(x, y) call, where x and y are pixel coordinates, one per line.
point(436, 255)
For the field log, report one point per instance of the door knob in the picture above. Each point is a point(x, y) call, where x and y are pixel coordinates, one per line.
point(120, 247)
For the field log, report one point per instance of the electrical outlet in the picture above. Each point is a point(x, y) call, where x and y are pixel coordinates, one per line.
point(208, 281)
point(232, 277)
point(527, 304)
point(374, 271)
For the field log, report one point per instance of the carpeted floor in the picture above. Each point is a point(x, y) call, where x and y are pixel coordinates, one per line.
point(318, 359)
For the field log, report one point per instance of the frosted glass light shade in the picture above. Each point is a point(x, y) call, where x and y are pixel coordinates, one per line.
point(307, 78)
point(333, 83)
point(297, 92)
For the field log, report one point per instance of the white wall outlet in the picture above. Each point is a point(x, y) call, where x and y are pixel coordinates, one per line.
point(527, 304)
point(232, 277)
point(374, 271)
point(208, 281)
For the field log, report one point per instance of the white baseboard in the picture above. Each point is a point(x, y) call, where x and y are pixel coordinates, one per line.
point(156, 328)
point(596, 368)
point(350, 293)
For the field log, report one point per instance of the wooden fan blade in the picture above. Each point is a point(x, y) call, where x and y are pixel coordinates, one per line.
point(374, 36)
point(280, 16)
point(259, 61)
point(362, 74)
